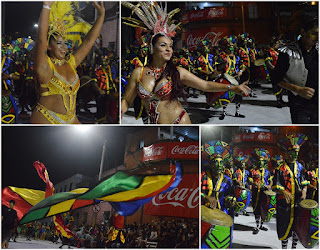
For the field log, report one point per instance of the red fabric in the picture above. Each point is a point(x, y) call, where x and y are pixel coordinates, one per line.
point(118, 221)
point(81, 203)
point(60, 226)
point(43, 174)
point(21, 206)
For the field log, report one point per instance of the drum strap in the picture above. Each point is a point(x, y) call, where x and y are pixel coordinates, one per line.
point(292, 202)
point(217, 188)
point(315, 173)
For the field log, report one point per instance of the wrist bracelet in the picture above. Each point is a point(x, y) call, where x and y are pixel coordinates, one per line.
point(46, 7)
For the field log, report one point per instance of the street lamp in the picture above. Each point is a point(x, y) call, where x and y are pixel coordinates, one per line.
point(102, 159)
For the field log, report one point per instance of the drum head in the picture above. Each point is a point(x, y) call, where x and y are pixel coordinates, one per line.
point(308, 204)
point(269, 192)
point(231, 79)
point(215, 217)
point(259, 62)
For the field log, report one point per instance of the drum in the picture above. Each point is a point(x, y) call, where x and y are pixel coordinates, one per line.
point(220, 99)
point(307, 223)
point(259, 62)
point(243, 196)
point(268, 205)
point(216, 228)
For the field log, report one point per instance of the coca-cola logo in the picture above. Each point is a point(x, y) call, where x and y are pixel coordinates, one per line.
point(264, 136)
point(213, 37)
point(197, 15)
point(215, 13)
point(176, 198)
point(248, 137)
point(189, 150)
point(153, 151)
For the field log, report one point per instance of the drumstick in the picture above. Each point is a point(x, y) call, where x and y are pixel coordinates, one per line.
point(86, 83)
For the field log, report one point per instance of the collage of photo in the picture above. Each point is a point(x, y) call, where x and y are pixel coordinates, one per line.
point(169, 124)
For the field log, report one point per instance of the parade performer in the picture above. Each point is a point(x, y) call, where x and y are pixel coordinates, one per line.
point(204, 63)
point(217, 192)
point(9, 109)
point(297, 71)
point(240, 177)
point(234, 68)
point(56, 72)
point(8, 222)
point(260, 181)
point(313, 178)
point(291, 186)
point(160, 83)
point(271, 58)
point(140, 60)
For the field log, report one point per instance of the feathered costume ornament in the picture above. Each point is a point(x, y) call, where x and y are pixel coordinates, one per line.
point(153, 18)
point(65, 21)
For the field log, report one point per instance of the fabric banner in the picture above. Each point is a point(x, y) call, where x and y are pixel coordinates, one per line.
point(205, 14)
point(213, 34)
point(171, 150)
point(182, 201)
point(261, 137)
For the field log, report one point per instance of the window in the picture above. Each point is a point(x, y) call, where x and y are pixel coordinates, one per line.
point(141, 144)
point(253, 11)
point(70, 186)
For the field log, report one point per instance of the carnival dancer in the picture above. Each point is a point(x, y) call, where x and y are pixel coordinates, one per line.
point(140, 60)
point(234, 67)
point(271, 58)
point(9, 109)
point(291, 187)
point(313, 177)
point(260, 181)
point(160, 83)
point(241, 175)
point(55, 72)
point(252, 56)
point(297, 71)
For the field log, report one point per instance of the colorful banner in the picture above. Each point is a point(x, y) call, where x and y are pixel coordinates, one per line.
point(171, 150)
point(213, 34)
point(205, 14)
point(251, 137)
point(182, 201)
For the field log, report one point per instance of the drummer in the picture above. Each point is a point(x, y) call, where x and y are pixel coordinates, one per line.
point(217, 189)
point(260, 180)
point(289, 194)
point(240, 175)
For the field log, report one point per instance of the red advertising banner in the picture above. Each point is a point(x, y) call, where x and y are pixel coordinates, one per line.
point(171, 150)
point(182, 201)
point(205, 14)
point(213, 34)
point(261, 137)
point(183, 150)
point(156, 151)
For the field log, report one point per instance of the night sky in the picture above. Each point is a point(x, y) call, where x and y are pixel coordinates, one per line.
point(64, 150)
point(20, 17)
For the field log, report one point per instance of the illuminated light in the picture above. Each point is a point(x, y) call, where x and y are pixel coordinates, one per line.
point(35, 25)
point(82, 128)
point(313, 3)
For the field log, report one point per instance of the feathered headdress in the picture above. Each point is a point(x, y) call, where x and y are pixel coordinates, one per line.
point(293, 141)
point(65, 21)
point(153, 18)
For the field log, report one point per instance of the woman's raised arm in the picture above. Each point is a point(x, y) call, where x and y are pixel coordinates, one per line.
point(41, 64)
point(193, 81)
point(92, 35)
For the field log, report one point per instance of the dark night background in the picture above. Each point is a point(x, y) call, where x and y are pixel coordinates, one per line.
point(65, 151)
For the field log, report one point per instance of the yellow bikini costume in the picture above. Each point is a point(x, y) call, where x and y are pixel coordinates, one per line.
point(59, 86)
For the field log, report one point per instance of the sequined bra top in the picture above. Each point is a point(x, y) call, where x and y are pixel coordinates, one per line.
point(161, 92)
point(58, 85)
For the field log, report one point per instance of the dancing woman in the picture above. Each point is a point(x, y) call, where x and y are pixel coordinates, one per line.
point(160, 83)
point(56, 73)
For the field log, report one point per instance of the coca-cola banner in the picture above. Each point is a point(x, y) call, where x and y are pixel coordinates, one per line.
point(182, 201)
point(213, 34)
point(205, 14)
point(156, 151)
point(171, 150)
point(264, 137)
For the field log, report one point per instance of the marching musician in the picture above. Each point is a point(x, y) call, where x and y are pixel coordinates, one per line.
point(260, 180)
point(291, 187)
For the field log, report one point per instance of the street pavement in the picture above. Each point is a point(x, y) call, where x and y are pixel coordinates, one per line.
point(22, 243)
point(243, 237)
point(257, 110)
